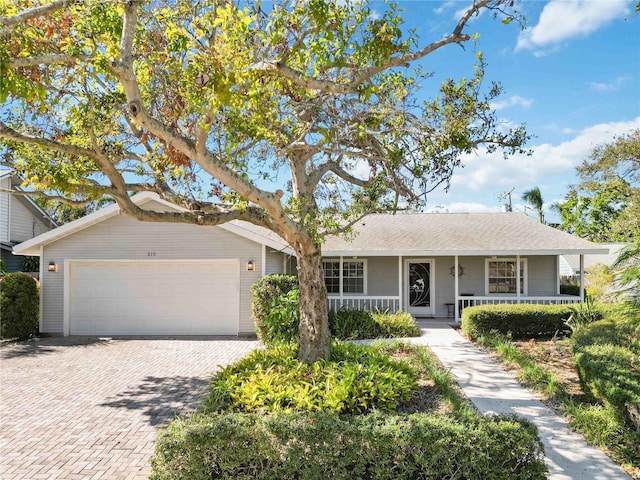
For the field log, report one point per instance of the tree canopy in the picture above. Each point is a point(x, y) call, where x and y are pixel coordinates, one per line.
point(605, 205)
point(533, 197)
point(300, 117)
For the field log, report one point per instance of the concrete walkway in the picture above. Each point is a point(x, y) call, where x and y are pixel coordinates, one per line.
point(491, 389)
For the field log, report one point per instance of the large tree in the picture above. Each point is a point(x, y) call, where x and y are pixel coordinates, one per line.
point(301, 117)
point(605, 205)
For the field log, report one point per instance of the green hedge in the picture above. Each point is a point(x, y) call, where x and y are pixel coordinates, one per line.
point(570, 289)
point(358, 324)
point(520, 321)
point(321, 445)
point(264, 293)
point(357, 379)
point(19, 306)
point(275, 310)
point(607, 355)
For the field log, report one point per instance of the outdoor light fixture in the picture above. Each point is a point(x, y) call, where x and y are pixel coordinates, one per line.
point(250, 266)
point(52, 266)
point(452, 271)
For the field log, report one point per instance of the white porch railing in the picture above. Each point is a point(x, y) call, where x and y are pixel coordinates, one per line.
point(468, 301)
point(356, 302)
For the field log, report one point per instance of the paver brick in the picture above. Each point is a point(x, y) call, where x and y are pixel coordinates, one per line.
point(83, 407)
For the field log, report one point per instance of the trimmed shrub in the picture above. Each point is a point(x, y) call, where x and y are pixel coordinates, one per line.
point(276, 312)
point(607, 354)
point(358, 324)
point(19, 306)
point(264, 294)
point(570, 289)
point(357, 379)
point(519, 321)
point(321, 445)
point(282, 323)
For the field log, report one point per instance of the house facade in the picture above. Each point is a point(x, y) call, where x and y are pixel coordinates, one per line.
point(20, 219)
point(438, 264)
point(109, 274)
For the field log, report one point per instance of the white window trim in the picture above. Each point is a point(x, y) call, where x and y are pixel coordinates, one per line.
point(348, 260)
point(525, 275)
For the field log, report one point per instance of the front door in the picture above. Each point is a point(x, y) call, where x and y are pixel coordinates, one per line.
point(419, 287)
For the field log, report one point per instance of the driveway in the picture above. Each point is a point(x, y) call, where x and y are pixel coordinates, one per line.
point(85, 408)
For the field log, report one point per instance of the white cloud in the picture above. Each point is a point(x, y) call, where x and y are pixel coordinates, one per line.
point(547, 163)
point(613, 85)
point(561, 20)
point(462, 207)
point(512, 101)
point(443, 7)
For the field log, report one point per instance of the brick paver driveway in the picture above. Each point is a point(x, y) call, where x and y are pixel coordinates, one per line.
point(89, 408)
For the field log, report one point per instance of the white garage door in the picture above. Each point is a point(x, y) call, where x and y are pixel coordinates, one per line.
point(153, 298)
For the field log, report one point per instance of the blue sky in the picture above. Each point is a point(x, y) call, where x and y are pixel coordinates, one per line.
point(572, 76)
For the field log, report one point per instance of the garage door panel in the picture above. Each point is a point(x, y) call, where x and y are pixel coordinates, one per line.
point(154, 298)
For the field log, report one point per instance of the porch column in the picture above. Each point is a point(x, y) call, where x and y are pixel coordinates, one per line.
point(581, 277)
point(399, 282)
point(456, 304)
point(264, 260)
point(341, 302)
point(557, 274)
point(518, 278)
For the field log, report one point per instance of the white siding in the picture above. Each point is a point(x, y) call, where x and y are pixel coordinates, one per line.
point(5, 183)
point(543, 275)
point(383, 278)
point(382, 275)
point(123, 237)
point(275, 262)
point(24, 224)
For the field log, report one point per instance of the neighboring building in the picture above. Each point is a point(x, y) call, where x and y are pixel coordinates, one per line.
point(109, 274)
point(570, 264)
point(20, 219)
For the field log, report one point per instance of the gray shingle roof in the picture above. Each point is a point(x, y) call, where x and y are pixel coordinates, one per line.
point(456, 234)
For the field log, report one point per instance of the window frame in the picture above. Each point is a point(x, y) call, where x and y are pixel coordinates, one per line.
point(524, 276)
point(341, 265)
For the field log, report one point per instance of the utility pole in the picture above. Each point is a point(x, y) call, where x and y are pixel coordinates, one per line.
point(507, 195)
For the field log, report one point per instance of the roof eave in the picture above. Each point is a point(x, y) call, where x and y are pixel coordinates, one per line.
point(466, 253)
point(32, 247)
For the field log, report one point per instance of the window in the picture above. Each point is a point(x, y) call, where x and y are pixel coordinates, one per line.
point(332, 276)
point(353, 276)
point(501, 276)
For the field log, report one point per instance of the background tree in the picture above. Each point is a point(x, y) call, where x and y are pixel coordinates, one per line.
point(627, 270)
point(62, 212)
point(300, 118)
point(534, 198)
point(605, 205)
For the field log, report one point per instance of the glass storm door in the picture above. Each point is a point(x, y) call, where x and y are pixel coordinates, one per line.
point(420, 287)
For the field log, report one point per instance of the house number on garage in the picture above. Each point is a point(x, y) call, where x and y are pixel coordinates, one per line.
point(151, 254)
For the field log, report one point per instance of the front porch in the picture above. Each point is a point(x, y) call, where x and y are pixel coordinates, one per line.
point(443, 286)
point(393, 303)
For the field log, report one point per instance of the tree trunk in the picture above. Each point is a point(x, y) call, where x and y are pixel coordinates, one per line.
point(314, 319)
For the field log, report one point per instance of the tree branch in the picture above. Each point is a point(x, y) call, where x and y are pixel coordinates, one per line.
point(53, 59)
point(209, 162)
point(7, 24)
point(403, 60)
point(10, 134)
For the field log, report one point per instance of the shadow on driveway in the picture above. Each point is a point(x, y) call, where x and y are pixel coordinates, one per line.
point(162, 398)
point(43, 346)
